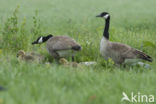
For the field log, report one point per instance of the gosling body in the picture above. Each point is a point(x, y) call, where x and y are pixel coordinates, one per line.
point(29, 57)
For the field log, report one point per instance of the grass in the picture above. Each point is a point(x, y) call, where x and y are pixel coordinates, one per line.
point(30, 83)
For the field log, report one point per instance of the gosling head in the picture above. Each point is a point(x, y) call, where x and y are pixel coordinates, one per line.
point(63, 61)
point(104, 15)
point(20, 53)
point(42, 39)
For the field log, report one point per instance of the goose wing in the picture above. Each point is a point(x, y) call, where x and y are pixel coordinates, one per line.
point(142, 55)
point(128, 52)
point(62, 43)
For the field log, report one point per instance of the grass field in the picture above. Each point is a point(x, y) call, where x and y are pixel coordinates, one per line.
point(21, 22)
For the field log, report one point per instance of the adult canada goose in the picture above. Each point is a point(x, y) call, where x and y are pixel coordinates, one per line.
point(29, 57)
point(59, 46)
point(116, 51)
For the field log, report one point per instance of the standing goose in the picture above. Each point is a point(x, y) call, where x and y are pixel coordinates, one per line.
point(118, 52)
point(59, 46)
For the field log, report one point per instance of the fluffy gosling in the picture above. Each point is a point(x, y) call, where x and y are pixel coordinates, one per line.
point(66, 63)
point(21, 55)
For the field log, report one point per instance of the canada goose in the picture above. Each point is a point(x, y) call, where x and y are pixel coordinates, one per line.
point(66, 63)
point(116, 51)
point(59, 46)
point(29, 57)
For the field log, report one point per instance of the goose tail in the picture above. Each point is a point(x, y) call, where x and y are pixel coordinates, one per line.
point(76, 48)
point(143, 56)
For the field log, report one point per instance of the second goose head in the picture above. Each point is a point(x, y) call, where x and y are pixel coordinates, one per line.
point(42, 39)
point(106, 16)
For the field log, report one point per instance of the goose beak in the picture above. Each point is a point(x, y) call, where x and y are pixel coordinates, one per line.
point(98, 16)
point(35, 42)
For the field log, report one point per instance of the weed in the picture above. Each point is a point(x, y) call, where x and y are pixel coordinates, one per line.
point(14, 34)
point(36, 29)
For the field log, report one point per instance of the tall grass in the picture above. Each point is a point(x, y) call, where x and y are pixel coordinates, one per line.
point(14, 33)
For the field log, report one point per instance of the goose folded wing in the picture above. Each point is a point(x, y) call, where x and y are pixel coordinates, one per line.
point(128, 52)
point(61, 45)
point(123, 50)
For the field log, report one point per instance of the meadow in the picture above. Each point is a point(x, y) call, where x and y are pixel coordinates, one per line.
point(21, 22)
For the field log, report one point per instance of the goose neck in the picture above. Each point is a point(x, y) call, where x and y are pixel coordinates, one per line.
point(106, 29)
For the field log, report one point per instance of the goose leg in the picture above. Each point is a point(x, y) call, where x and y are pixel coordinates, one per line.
point(73, 59)
point(56, 56)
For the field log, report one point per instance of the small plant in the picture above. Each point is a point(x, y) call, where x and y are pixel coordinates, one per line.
point(14, 34)
point(107, 64)
point(36, 29)
point(23, 38)
point(149, 44)
point(11, 25)
point(10, 30)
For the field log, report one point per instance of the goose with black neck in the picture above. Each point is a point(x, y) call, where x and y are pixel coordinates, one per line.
point(118, 52)
point(59, 46)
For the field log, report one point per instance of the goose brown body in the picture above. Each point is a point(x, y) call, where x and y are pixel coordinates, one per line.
point(120, 52)
point(60, 46)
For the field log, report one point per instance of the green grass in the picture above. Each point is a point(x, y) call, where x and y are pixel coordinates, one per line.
point(132, 23)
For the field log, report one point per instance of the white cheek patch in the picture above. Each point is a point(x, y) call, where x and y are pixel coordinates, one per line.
point(40, 40)
point(106, 16)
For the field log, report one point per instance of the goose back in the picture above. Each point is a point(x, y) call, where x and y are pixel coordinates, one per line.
point(63, 45)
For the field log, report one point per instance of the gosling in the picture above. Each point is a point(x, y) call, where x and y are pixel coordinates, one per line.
point(66, 63)
point(21, 55)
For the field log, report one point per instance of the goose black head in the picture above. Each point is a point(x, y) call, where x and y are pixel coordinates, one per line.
point(42, 39)
point(104, 15)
